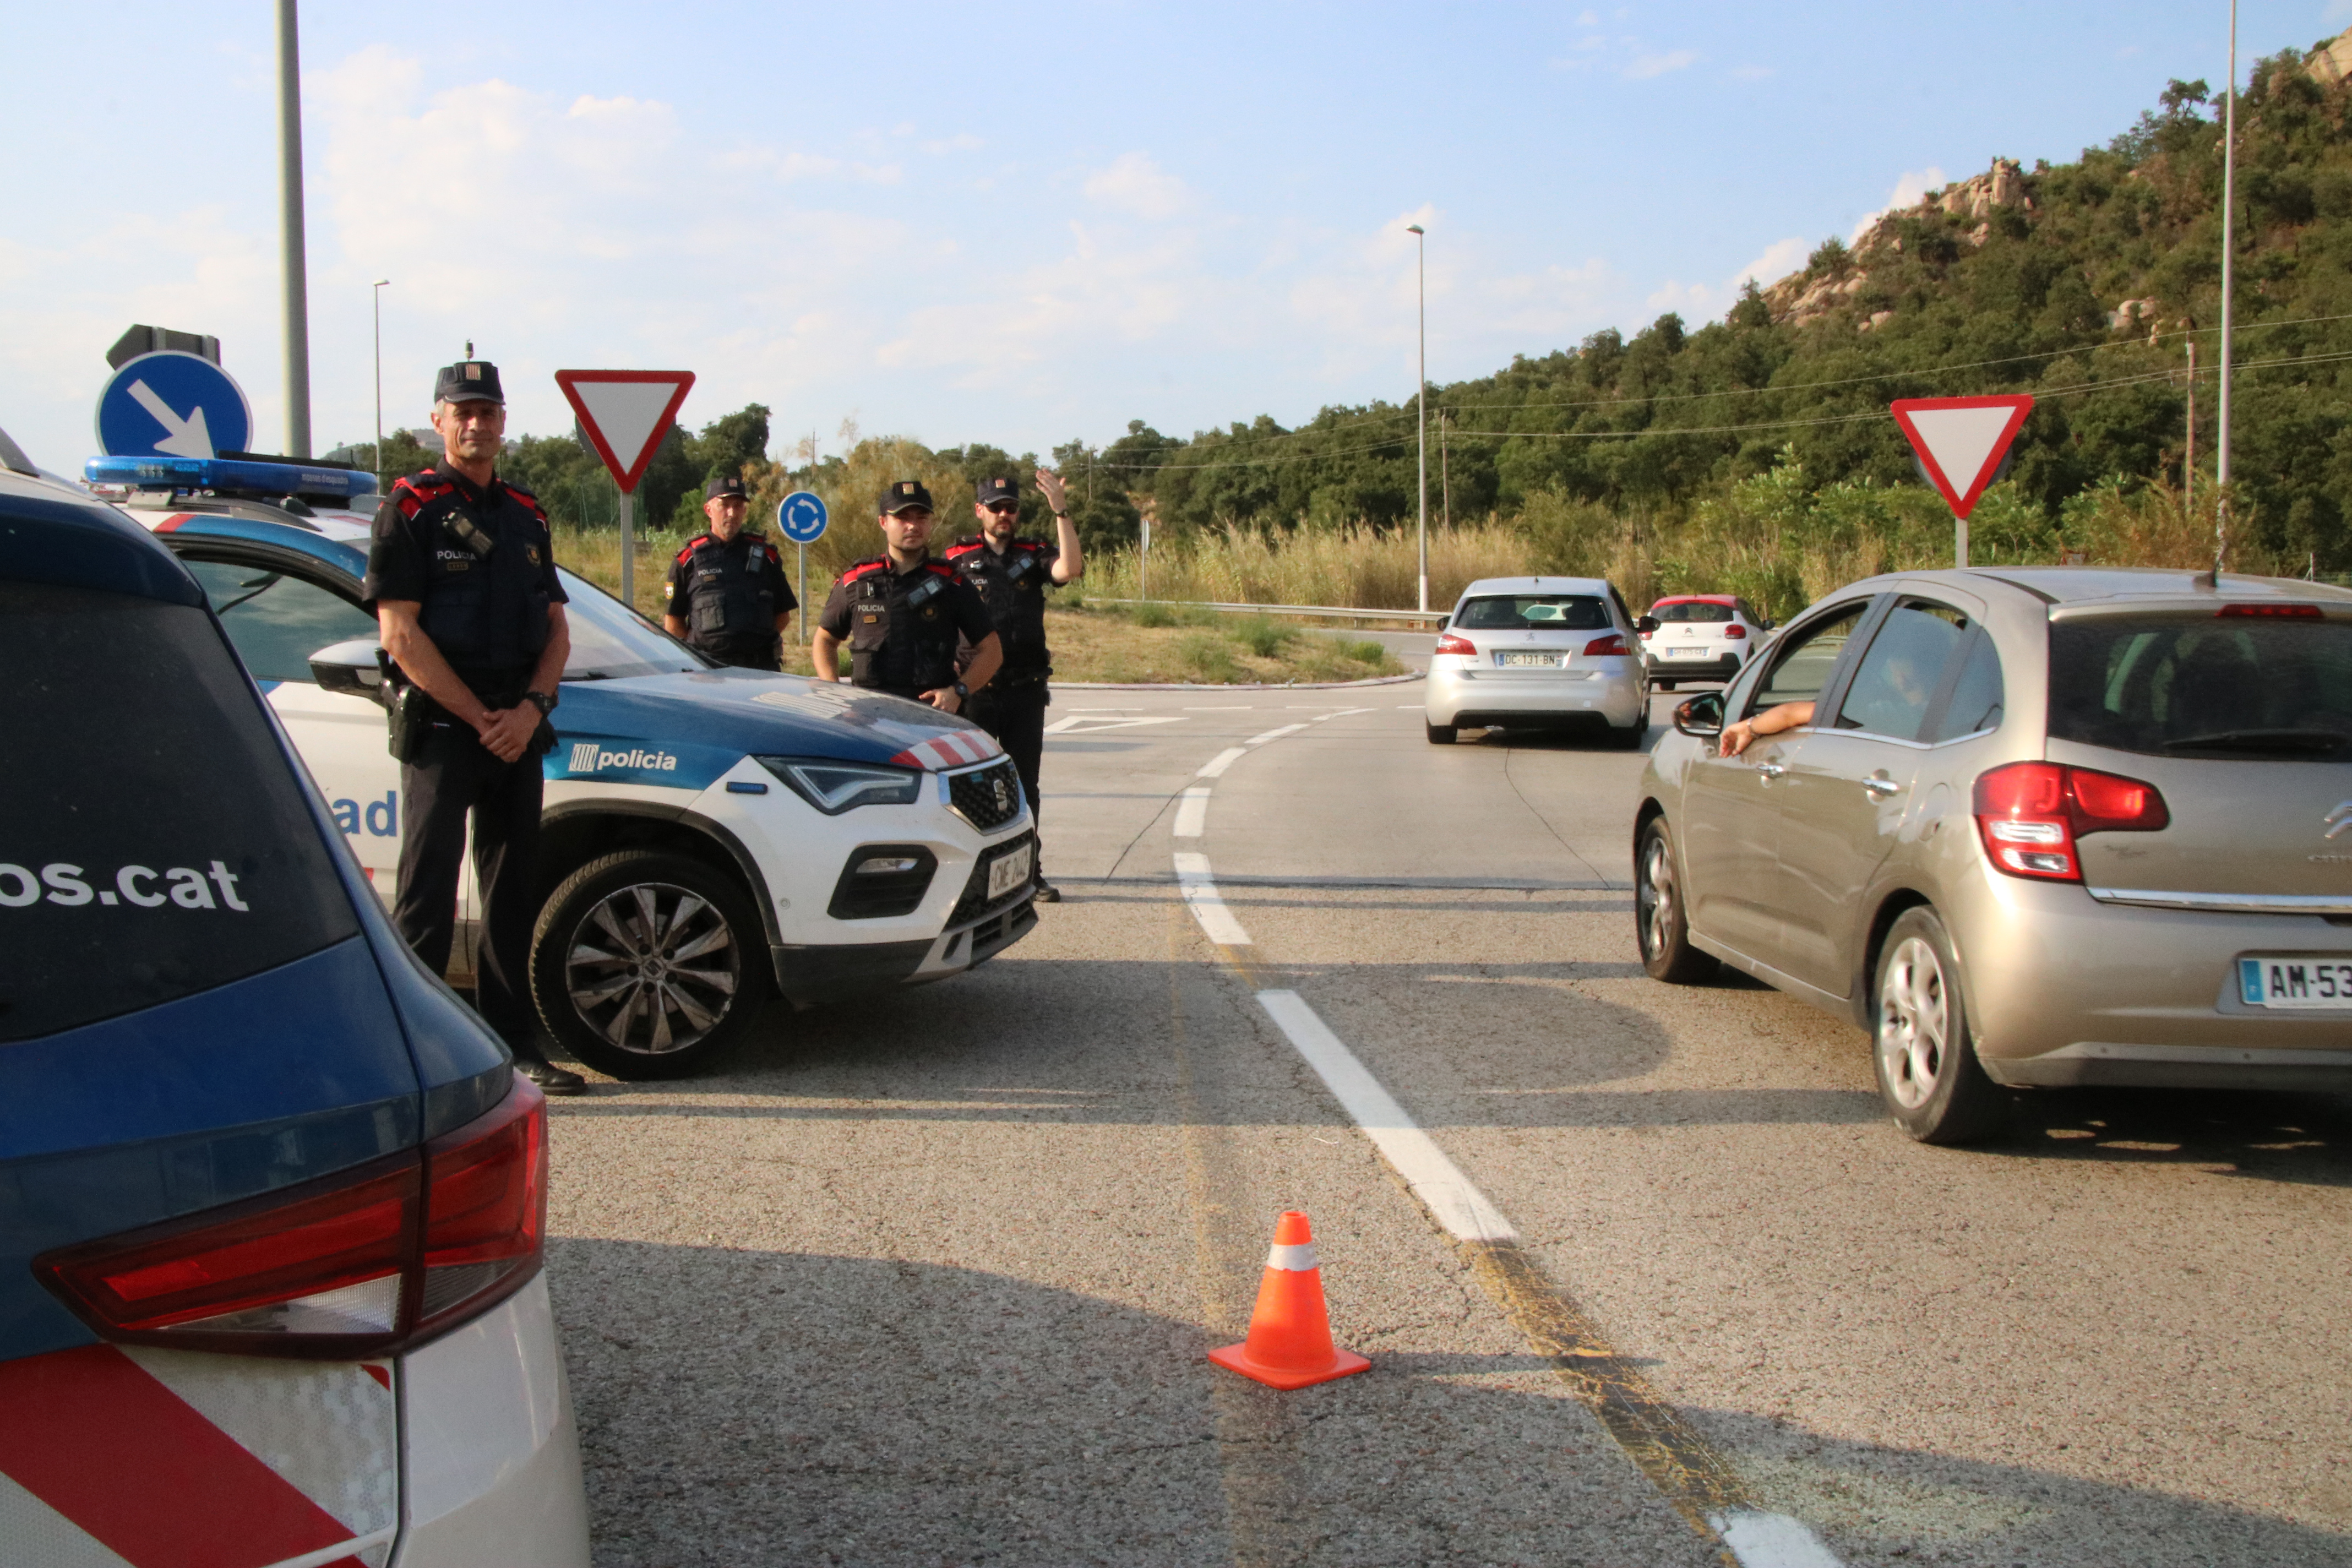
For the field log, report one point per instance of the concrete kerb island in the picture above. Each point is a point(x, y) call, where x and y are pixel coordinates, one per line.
point(1236, 686)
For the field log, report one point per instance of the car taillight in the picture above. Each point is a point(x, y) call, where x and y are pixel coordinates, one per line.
point(2274, 612)
point(2031, 813)
point(1735, 631)
point(1603, 648)
point(1448, 643)
point(361, 1263)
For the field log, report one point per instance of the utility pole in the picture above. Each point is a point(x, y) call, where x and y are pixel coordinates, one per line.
point(1444, 474)
point(1420, 390)
point(2229, 256)
point(2188, 457)
point(376, 292)
point(290, 221)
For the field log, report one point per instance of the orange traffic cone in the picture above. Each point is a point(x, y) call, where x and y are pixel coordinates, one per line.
point(1289, 1343)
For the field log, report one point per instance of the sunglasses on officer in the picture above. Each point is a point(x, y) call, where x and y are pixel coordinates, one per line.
point(1005, 508)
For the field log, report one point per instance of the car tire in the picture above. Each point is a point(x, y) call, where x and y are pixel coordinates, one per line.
point(1661, 686)
point(1440, 734)
point(1630, 738)
point(648, 965)
point(1661, 915)
point(1922, 1046)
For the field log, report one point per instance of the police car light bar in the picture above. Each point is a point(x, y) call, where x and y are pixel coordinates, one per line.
point(228, 475)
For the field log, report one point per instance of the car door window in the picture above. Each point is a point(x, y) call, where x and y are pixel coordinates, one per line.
point(1974, 703)
point(1902, 670)
point(275, 620)
point(1801, 664)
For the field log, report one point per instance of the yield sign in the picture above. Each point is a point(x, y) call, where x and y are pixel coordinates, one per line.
point(625, 413)
point(1961, 440)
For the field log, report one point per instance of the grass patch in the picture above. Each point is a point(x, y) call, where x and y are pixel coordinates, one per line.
point(1262, 636)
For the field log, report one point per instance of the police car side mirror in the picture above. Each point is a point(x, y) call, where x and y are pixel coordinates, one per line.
point(349, 668)
point(1702, 716)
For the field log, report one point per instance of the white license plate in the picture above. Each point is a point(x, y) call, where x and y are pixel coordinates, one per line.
point(1009, 871)
point(1690, 652)
point(1528, 661)
point(2273, 982)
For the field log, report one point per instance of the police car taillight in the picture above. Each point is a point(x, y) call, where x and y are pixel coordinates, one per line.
point(360, 1263)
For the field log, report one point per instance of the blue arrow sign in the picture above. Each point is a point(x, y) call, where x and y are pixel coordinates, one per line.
point(173, 405)
point(801, 517)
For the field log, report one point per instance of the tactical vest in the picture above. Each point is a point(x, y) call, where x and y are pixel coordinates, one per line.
point(730, 593)
point(902, 631)
point(485, 588)
point(1013, 586)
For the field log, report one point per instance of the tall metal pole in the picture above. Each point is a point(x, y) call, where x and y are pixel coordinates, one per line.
point(2189, 456)
point(2229, 257)
point(1421, 393)
point(628, 550)
point(375, 291)
point(289, 219)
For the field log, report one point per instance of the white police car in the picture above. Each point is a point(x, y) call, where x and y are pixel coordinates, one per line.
point(709, 833)
point(272, 1203)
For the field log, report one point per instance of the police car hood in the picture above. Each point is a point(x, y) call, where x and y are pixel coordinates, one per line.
point(730, 714)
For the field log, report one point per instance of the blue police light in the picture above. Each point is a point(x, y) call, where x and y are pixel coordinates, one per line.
point(228, 475)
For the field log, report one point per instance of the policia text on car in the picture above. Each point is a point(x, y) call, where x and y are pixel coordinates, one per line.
point(1012, 575)
point(726, 597)
point(902, 615)
point(461, 577)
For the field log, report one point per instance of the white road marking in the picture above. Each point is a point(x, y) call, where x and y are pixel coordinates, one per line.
point(1228, 708)
point(1450, 1196)
point(1094, 722)
point(1771, 1541)
point(1274, 735)
point(1192, 815)
point(1342, 713)
point(1217, 921)
point(1410, 708)
point(1218, 765)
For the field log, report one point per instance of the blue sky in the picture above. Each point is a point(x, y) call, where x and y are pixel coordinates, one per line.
point(1022, 223)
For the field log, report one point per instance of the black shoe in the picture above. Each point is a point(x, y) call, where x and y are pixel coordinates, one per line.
point(1047, 893)
point(550, 1079)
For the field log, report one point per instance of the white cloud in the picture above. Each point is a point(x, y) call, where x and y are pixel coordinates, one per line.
point(1699, 301)
point(1779, 258)
point(1907, 190)
point(1643, 67)
point(1134, 183)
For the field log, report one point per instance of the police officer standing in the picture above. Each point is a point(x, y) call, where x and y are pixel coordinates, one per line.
point(726, 593)
point(461, 576)
point(903, 613)
point(1012, 575)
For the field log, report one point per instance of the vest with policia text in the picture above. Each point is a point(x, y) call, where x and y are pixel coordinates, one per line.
point(1013, 586)
point(486, 597)
point(902, 625)
point(726, 592)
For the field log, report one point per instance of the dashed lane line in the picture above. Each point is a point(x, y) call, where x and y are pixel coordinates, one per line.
point(1689, 1471)
point(1273, 735)
point(1217, 765)
point(1193, 812)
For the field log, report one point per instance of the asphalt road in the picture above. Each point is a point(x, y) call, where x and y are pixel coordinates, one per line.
point(930, 1278)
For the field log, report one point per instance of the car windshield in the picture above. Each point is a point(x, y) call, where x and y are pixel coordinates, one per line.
point(1533, 611)
point(610, 641)
point(2228, 685)
point(1690, 610)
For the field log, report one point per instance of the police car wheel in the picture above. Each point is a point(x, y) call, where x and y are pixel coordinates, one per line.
point(647, 964)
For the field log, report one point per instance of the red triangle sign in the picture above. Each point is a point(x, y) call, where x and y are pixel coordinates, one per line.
point(1961, 440)
point(625, 413)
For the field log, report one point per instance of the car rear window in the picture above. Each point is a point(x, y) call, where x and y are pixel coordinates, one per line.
point(1534, 612)
point(1693, 612)
point(154, 840)
point(2236, 686)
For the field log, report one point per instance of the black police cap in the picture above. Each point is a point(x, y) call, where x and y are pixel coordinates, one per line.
point(993, 493)
point(469, 381)
point(725, 485)
point(905, 495)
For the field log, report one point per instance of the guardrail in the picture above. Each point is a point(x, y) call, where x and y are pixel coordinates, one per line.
point(1327, 612)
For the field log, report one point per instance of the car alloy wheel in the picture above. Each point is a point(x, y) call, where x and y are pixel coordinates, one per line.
point(1661, 928)
point(1923, 1050)
point(1914, 1024)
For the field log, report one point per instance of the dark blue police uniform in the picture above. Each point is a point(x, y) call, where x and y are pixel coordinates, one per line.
point(729, 592)
point(1014, 584)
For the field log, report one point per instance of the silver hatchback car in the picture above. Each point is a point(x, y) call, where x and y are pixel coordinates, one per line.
point(2028, 827)
point(1539, 653)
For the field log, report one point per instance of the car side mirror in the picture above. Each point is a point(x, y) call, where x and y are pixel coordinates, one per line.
point(350, 669)
point(1443, 622)
point(1702, 716)
point(1646, 625)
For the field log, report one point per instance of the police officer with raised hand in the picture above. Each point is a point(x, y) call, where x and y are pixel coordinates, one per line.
point(461, 576)
point(902, 615)
point(1012, 575)
point(726, 593)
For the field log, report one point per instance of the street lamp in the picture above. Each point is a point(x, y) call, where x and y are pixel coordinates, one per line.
point(2228, 255)
point(1420, 390)
point(376, 293)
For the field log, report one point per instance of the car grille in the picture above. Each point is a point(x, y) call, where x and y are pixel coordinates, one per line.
point(986, 797)
point(974, 904)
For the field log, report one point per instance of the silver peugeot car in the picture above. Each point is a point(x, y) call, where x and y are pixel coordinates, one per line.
point(2028, 826)
point(1539, 653)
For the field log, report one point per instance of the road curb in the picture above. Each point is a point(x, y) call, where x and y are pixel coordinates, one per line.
point(1235, 686)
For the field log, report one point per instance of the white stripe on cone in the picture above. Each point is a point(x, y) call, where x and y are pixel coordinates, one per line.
point(1298, 1259)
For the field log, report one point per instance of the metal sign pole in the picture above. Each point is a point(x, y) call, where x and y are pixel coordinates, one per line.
point(1960, 540)
point(803, 594)
point(628, 550)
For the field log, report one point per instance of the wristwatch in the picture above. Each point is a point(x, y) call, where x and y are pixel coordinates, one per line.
point(540, 700)
point(961, 691)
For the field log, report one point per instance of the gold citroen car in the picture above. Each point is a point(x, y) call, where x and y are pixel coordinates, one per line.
point(2028, 827)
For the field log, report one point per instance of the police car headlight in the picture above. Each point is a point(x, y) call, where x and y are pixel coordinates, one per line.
point(835, 787)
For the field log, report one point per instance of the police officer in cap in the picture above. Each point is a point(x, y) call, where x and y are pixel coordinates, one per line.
point(902, 615)
point(461, 576)
point(1012, 575)
point(725, 591)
